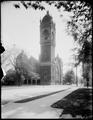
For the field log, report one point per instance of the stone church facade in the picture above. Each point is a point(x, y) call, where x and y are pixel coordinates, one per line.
point(50, 68)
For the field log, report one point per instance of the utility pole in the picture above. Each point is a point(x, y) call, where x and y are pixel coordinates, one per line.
point(76, 72)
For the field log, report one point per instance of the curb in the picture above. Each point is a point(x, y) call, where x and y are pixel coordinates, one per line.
point(38, 97)
point(32, 98)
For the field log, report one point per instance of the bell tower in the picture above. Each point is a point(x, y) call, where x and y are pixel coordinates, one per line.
point(47, 43)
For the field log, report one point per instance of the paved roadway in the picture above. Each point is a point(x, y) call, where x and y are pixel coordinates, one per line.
point(15, 93)
point(38, 108)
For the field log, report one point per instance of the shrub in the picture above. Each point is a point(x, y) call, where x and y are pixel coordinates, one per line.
point(10, 78)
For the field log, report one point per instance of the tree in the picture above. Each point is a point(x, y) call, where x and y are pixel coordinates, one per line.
point(22, 67)
point(69, 77)
point(10, 78)
point(34, 64)
point(20, 63)
point(26, 67)
point(80, 27)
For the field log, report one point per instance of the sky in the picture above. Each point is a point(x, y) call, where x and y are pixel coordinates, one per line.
point(22, 28)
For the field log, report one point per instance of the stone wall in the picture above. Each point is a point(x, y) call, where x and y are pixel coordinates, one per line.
point(45, 75)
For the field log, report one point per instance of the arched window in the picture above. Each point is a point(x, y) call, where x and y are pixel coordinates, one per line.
point(46, 34)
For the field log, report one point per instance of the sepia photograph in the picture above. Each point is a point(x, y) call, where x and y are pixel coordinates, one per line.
point(46, 59)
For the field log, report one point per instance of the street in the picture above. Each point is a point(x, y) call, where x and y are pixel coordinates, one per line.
point(38, 108)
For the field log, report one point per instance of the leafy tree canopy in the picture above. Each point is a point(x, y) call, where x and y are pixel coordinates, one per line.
point(69, 77)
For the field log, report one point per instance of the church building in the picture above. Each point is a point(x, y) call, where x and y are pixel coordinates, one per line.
point(49, 69)
point(48, 63)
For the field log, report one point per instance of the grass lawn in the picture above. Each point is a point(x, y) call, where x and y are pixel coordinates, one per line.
point(78, 103)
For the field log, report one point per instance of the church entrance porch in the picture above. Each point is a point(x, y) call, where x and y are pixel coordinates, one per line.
point(32, 82)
